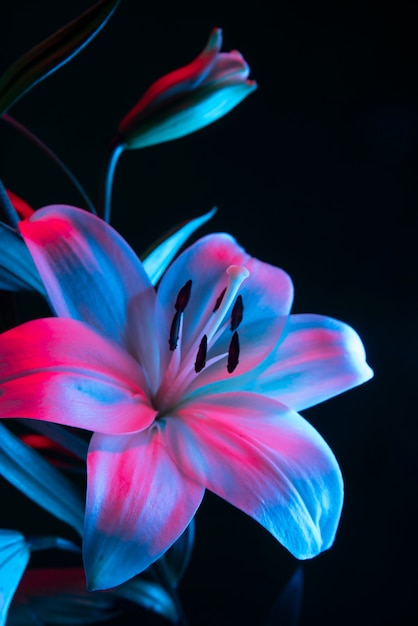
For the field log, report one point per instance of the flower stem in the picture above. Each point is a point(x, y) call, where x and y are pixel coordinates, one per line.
point(7, 210)
point(114, 151)
point(44, 148)
point(160, 570)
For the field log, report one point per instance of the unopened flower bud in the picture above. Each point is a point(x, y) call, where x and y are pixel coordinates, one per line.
point(188, 98)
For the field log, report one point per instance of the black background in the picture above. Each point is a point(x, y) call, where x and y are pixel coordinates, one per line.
point(316, 172)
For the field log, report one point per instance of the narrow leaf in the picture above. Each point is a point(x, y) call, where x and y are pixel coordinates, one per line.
point(17, 270)
point(149, 595)
point(287, 608)
point(177, 558)
point(53, 52)
point(51, 542)
point(60, 435)
point(159, 256)
point(59, 596)
point(26, 470)
point(14, 556)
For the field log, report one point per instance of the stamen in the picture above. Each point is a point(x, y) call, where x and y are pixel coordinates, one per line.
point(237, 313)
point(183, 297)
point(201, 355)
point(219, 300)
point(174, 330)
point(182, 301)
point(233, 353)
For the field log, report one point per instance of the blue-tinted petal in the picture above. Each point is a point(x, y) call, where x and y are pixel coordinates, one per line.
point(91, 274)
point(138, 504)
point(319, 358)
point(266, 294)
point(61, 370)
point(264, 459)
point(202, 107)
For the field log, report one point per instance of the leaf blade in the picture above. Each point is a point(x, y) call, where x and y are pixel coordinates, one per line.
point(157, 258)
point(26, 470)
point(52, 53)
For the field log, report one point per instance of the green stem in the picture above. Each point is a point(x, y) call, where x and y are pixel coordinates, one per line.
point(105, 192)
point(7, 209)
point(49, 153)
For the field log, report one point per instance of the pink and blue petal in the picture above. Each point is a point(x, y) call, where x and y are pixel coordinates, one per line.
point(62, 371)
point(267, 295)
point(138, 503)
point(266, 460)
point(91, 274)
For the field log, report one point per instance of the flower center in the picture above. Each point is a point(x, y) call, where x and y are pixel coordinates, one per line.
point(187, 362)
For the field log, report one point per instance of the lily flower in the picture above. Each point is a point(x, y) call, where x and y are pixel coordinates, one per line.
point(193, 386)
point(189, 98)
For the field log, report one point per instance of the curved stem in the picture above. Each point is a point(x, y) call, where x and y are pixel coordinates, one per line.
point(105, 192)
point(7, 209)
point(44, 148)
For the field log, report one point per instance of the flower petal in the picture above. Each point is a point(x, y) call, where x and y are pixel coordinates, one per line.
point(91, 274)
point(198, 109)
point(228, 66)
point(62, 371)
point(267, 295)
point(171, 86)
point(138, 504)
point(14, 556)
point(318, 358)
point(264, 459)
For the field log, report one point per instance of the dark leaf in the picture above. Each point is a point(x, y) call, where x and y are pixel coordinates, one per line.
point(287, 607)
point(177, 558)
point(53, 52)
point(17, 270)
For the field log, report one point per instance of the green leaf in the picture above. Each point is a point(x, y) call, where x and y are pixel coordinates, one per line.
point(26, 470)
point(53, 52)
point(158, 257)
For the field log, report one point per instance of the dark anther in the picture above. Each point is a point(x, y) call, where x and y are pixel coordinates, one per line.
point(233, 353)
point(183, 297)
point(219, 300)
point(237, 313)
point(201, 355)
point(174, 331)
